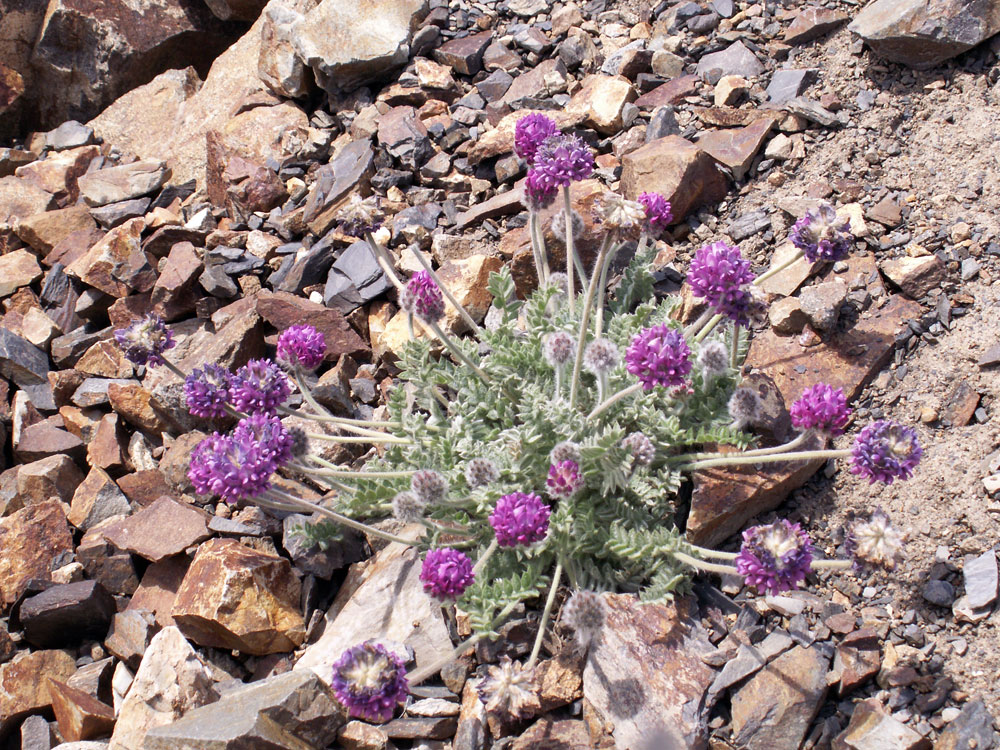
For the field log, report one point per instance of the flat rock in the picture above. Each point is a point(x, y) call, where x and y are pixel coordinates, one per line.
point(672, 92)
point(46, 230)
point(97, 499)
point(872, 729)
point(67, 614)
point(282, 310)
point(117, 184)
point(774, 709)
point(20, 199)
point(405, 137)
point(736, 148)
point(500, 140)
point(644, 675)
point(786, 84)
point(602, 99)
point(54, 477)
point(980, 574)
point(736, 59)
point(158, 588)
point(350, 170)
point(18, 269)
point(812, 22)
point(238, 598)
point(858, 659)
point(34, 541)
point(464, 54)
point(116, 265)
point(971, 730)
point(23, 687)
point(142, 533)
point(355, 278)
point(914, 276)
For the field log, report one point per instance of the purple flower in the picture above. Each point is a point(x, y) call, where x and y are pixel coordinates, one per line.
point(145, 340)
point(558, 348)
point(233, 469)
point(370, 681)
point(885, 451)
point(820, 237)
point(540, 190)
point(529, 133)
point(564, 479)
point(564, 159)
point(520, 519)
point(658, 213)
point(718, 274)
point(658, 356)
point(421, 297)
point(446, 573)
point(206, 391)
point(641, 447)
point(259, 386)
point(775, 558)
point(301, 346)
point(821, 408)
point(267, 431)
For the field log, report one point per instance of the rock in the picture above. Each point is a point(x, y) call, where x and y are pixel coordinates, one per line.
point(114, 49)
point(646, 684)
point(315, 560)
point(746, 662)
point(174, 294)
point(20, 199)
point(350, 43)
point(729, 90)
point(960, 404)
point(240, 10)
point(238, 598)
point(549, 732)
point(97, 499)
point(71, 134)
point(67, 614)
point(786, 84)
point(914, 276)
point(736, 59)
point(500, 140)
point(916, 34)
point(131, 633)
point(60, 172)
point(736, 148)
point(774, 709)
point(171, 680)
point(873, 729)
point(887, 211)
point(971, 730)
point(277, 65)
point(857, 660)
point(467, 280)
point(80, 716)
point(355, 278)
point(116, 184)
point(601, 99)
point(464, 54)
point(811, 23)
point(786, 316)
point(283, 310)
point(547, 78)
point(24, 688)
point(939, 593)
point(780, 147)
point(821, 303)
point(116, 265)
point(34, 541)
point(55, 477)
point(980, 574)
point(104, 563)
point(672, 92)
point(47, 438)
point(682, 172)
point(292, 711)
point(46, 230)
point(35, 733)
point(349, 170)
point(417, 728)
point(472, 722)
point(158, 589)
point(142, 533)
point(559, 680)
point(405, 137)
point(381, 598)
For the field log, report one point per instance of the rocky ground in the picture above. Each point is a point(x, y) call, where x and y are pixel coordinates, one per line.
point(221, 139)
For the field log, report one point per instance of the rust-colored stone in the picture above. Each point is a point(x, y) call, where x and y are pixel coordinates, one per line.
point(736, 148)
point(80, 716)
point(136, 406)
point(33, 542)
point(158, 589)
point(282, 310)
point(143, 534)
point(23, 687)
point(116, 265)
point(671, 92)
point(105, 359)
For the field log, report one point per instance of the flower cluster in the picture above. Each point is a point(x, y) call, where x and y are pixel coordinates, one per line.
point(360, 217)
point(775, 558)
point(370, 681)
point(530, 132)
point(719, 274)
point(885, 451)
point(234, 468)
point(659, 356)
point(509, 690)
point(564, 159)
point(658, 213)
point(145, 340)
point(206, 391)
point(820, 237)
point(821, 408)
point(301, 346)
point(446, 573)
point(421, 297)
point(259, 386)
point(625, 216)
point(585, 613)
point(564, 479)
point(520, 519)
point(875, 541)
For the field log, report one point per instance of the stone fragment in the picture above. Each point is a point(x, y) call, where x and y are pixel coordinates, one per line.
point(682, 172)
point(174, 294)
point(52, 478)
point(405, 137)
point(34, 541)
point(920, 34)
point(116, 265)
point(467, 280)
point(20, 199)
point(17, 269)
point(980, 574)
point(157, 591)
point(80, 716)
point(672, 92)
point(349, 170)
point(277, 64)
point(97, 499)
point(786, 84)
point(171, 680)
point(821, 303)
point(46, 230)
point(117, 184)
point(47, 438)
point(960, 404)
point(547, 78)
point(549, 732)
point(102, 562)
point(559, 680)
point(646, 684)
point(355, 278)
point(142, 533)
point(407, 728)
point(736, 59)
point(914, 276)
point(238, 598)
point(26, 365)
point(464, 54)
point(67, 614)
point(130, 635)
point(602, 99)
point(729, 90)
point(472, 730)
point(786, 316)
point(500, 140)
point(857, 660)
point(24, 688)
point(36, 733)
point(872, 729)
point(887, 211)
point(736, 148)
point(811, 23)
point(971, 730)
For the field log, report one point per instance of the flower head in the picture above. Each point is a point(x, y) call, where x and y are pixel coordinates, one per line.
point(301, 346)
point(821, 408)
point(429, 485)
point(875, 541)
point(564, 479)
point(558, 348)
point(718, 275)
point(370, 681)
point(658, 213)
point(820, 237)
point(713, 359)
point(540, 190)
point(145, 340)
point(509, 690)
point(276, 442)
point(601, 356)
point(408, 507)
point(641, 447)
point(529, 133)
point(564, 159)
point(885, 451)
point(446, 573)
point(259, 386)
point(585, 613)
point(232, 469)
point(658, 356)
point(744, 407)
point(565, 451)
point(421, 297)
point(624, 215)
point(520, 519)
point(206, 391)
point(361, 216)
point(480, 472)
point(776, 557)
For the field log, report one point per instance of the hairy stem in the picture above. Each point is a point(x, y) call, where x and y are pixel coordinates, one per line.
point(615, 398)
point(574, 382)
point(734, 352)
point(445, 339)
point(713, 553)
point(778, 269)
point(791, 444)
point(712, 323)
point(484, 558)
point(333, 515)
point(546, 614)
point(536, 251)
point(698, 324)
point(707, 567)
point(358, 439)
point(736, 459)
point(832, 564)
point(602, 284)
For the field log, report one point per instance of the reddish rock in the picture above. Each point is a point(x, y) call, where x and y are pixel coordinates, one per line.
point(80, 716)
point(960, 404)
point(174, 294)
point(238, 598)
point(142, 533)
point(103, 562)
point(24, 688)
point(736, 148)
point(282, 310)
point(137, 406)
point(349, 171)
point(73, 246)
point(813, 22)
point(67, 614)
point(682, 172)
point(465, 55)
point(96, 499)
point(858, 659)
point(552, 733)
point(20, 199)
point(500, 140)
point(914, 276)
point(546, 78)
point(144, 487)
point(46, 439)
point(18, 269)
point(131, 632)
point(872, 727)
point(116, 265)
point(59, 174)
point(105, 447)
point(671, 92)
point(105, 359)
point(51, 478)
point(157, 591)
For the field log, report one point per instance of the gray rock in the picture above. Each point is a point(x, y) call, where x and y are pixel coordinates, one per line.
point(122, 183)
point(296, 273)
point(703, 24)
point(351, 169)
point(28, 367)
point(662, 123)
point(747, 661)
point(787, 84)
point(736, 59)
point(821, 303)
point(748, 224)
point(70, 134)
point(215, 281)
point(724, 8)
point(971, 730)
point(527, 8)
point(495, 86)
point(980, 575)
point(113, 214)
point(354, 279)
point(35, 734)
point(939, 593)
point(612, 66)
point(320, 562)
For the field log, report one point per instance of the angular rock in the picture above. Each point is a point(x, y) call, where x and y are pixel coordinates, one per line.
point(277, 65)
point(737, 147)
point(24, 688)
point(80, 716)
point(116, 265)
point(34, 541)
point(671, 92)
point(871, 728)
point(67, 614)
point(736, 59)
point(920, 34)
point(158, 589)
point(547, 78)
point(174, 294)
point(786, 316)
point(142, 533)
point(283, 310)
point(130, 635)
point(20, 199)
point(128, 181)
point(980, 574)
point(811, 23)
point(351, 43)
point(915, 276)
point(47, 438)
point(97, 499)
point(774, 709)
point(465, 54)
point(548, 732)
point(17, 269)
point(55, 477)
point(647, 684)
point(821, 303)
point(102, 562)
point(171, 680)
point(405, 137)
point(46, 230)
point(349, 170)
point(355, 278)
point(972, 730)
point(500, 140)
point(857, 660)
point(602, 98)
point(787, 84)
point(235, 597)
point(682, 172)
point(467, 280)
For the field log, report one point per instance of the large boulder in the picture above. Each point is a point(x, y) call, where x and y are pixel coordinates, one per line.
point(923, 33)
point(20, 21)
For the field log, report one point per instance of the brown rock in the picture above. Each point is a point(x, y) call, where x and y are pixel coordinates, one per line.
point(20, 199)
point(552, 733)
point(142, 533)
point(467, 280)
point(545, 79)
point(66, 613)
point(144, 487)
point(729, 117)
point(500, 140)
point(80, 716)
point(914, 276)
point(46, 439)
point(786, 316)
point(235, 597)
point(960, 404)
point(671, 92)
point(559, 680)
point(46, 230)
point(105, 359)
point(130, 635)
point(122, 183)
point(96, 499)
point(857, 660)
point(356, 735)
point(464, 55)
point(116, 265)
point(788, 280)
point(137, 406)
point(51, 478)
point(683, 173)
point(277, 65)
point(105, 448)
point(73, 246)
point(102, 562)
point(157, 591)
point(59, 173)
point(886, 212)
point(870, 726)
point(174, 294)
point(282, 310)
point(176, 459)
point(813, 22)
point(407, 728)
point(601, 99)
point(23, 687)
point(736, 148)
